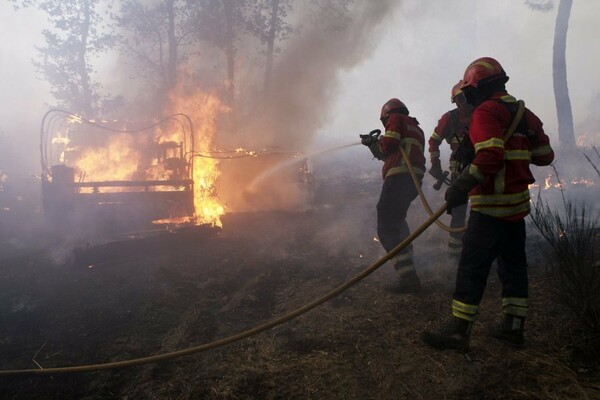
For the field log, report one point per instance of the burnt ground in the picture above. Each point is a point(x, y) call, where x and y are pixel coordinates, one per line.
point(115, 302)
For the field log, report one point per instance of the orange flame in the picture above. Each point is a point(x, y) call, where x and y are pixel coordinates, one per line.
point(588, 139)
point(118, 160)
point(203, 108)
point(548, 184)
point(122, 157)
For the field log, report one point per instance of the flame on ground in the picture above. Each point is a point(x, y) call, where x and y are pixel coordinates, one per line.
point(588, 139)
point(561, 185)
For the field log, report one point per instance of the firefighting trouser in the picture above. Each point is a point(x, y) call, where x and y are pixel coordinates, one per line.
point(486, 239)
point(459, 215)
point(397, 193)
point(458, 220)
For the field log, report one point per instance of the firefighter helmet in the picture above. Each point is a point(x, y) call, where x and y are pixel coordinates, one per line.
point(482, 71)
point(456, 90)
point(392, 106)
point(459, 98)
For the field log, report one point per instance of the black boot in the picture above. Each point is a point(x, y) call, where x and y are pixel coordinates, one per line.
point(454, 334)
point(409, 282)
point(511, 330)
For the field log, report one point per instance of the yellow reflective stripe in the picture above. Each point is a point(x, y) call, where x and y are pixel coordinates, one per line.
point(516, 311)
point(403, 270)
point(499, 181)
point(464, 307)
point(517, 155)
point(453, 240)
point(476, 173)
point(507, 98)
point(453, 167)
point(484, 64)
point(517, 306)
point(515, 301)
point(492, 142)
point(402, 169)
point(407, 142)
point(541, 151)
point(455, 139)
point(495, 199)
point(500, 212)
point(454, 251)
point(392, 134)
point(436, 137)
point(464, 311)
point(401, 257)
point(467, 317)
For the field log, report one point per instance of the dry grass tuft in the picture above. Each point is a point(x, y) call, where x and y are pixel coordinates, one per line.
point(573, 236)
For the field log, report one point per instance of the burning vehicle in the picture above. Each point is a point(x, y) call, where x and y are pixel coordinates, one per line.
point(114, 173)
point(111, 176)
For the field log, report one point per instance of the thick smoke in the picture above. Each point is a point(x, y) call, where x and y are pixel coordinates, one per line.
point(305, 79)
point(304, 84)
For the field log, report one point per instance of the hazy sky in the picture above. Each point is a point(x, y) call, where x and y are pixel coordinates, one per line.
point(423, 51)
point(418, 54)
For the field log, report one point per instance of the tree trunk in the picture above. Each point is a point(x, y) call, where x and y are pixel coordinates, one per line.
point(229, 53)
point(564, 113)
point(172, 64)
point(271, 46)
point(86, 101)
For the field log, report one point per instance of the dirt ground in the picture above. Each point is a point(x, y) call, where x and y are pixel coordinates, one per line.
point(104, 303)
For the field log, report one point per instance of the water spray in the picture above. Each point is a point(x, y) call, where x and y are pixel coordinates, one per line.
point(252, 187)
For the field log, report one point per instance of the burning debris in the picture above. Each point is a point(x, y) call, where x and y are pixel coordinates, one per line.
point(110, 171)
point(121, 174)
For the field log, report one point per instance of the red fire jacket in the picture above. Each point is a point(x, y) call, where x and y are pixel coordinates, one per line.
point(451, 127)
point(503, 168)
point(402, 131)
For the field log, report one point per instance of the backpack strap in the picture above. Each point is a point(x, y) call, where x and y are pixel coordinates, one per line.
point(515, 122)
point(451, 126)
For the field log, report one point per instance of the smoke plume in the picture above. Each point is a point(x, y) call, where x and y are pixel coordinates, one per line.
point(305, 76)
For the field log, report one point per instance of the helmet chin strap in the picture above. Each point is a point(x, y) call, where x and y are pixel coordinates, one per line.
point(399, 110)
point(476, 96)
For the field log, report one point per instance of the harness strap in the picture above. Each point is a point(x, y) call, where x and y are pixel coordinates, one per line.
point(515, 121)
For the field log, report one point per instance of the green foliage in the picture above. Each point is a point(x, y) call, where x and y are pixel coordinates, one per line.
point(266, 25)
point(77, 34)
point(171, 43)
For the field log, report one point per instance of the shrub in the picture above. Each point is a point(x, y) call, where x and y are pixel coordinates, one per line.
point(574, 239)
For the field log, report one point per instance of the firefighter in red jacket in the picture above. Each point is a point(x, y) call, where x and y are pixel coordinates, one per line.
point(398, 189)
point(452, 127)
point(497, 184)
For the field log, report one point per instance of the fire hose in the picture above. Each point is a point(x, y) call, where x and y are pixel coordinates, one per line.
point(259, 328)
point(375, 134)
point(242, 335)
point(424, 200)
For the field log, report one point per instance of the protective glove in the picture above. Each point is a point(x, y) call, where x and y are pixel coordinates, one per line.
point(455, 197)
point(436, 170)
point(458, 192)
point(369, 140)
